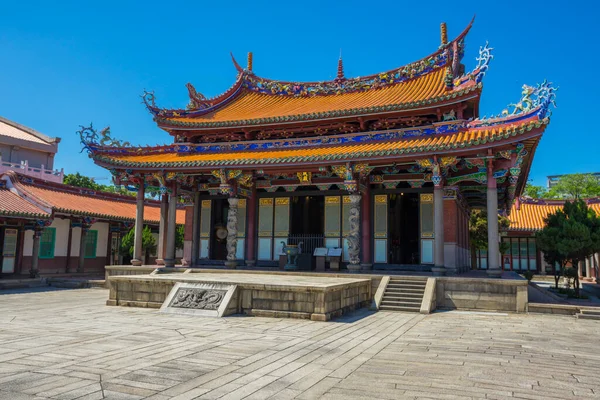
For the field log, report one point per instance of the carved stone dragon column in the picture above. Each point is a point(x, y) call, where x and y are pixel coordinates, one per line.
point(232, 230)
point(354, 233)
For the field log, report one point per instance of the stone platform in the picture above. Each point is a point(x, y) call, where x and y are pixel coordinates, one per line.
point(318, 298)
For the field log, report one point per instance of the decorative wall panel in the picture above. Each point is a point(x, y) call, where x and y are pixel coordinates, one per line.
point(380, 227)
point(332, 216)
point(265, 218)
point(282, 217)
point(427, 227)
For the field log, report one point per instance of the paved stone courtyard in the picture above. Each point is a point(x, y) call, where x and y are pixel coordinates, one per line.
point(66, 344)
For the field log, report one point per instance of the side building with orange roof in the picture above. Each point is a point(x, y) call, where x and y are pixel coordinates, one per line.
point(526, 218)
point(382, 168)
point(52, 228)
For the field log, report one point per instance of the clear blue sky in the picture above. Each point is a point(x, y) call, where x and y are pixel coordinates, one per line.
point(67, 65)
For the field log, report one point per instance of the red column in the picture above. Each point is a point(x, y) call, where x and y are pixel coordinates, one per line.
point(367, 258)
point(251, 229)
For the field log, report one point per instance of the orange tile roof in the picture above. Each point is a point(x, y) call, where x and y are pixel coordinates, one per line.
point(530, 217)
point(11, 204)
point(249, 105)
point(79, 204)
point(440, 142)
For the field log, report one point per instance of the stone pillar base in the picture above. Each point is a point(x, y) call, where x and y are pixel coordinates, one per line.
point(136, 263)
point(438, 271)
point(231, 264)
point(494, 273)
point(160, 261)
point(169, 263)
point(451, 271)
point(366, 267)
point(250, 263)
point(34, 273)
point(354, 267)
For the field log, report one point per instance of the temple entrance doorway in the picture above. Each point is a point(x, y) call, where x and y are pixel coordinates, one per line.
point(403, 223)
point(307, 222)
point(218, 240)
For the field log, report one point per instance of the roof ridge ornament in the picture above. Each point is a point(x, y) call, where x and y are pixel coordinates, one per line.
point(340, 68)
point(91, 139)
point(543, 95)
point(235, 64)
point(148, 99)
point(249, 67)
point(534, 101)
point(477, 74)
point(483, 61)
point(197, 100)
point(443, 34)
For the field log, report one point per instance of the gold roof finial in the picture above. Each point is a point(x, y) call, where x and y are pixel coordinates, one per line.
point(443, 33)
point(249, 61)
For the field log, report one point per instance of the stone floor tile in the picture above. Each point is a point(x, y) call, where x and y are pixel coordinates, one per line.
point(89, 351)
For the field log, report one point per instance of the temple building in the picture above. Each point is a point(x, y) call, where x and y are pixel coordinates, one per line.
point(385, 167)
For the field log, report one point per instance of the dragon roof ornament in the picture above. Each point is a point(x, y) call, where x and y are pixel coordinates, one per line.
point(483, 61)
point(535, 101)
point(91, 139)
point(541, 96)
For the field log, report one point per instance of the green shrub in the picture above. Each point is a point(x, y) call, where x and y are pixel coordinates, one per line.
point(528, 275)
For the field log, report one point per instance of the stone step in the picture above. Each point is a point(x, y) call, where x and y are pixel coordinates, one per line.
point(400, 308)
point(22, 284)
point(67, 283)
point(403, 295)
point(589, 316)
point(405, 285)
point(408, 279)
point(400, 304)
point(404, 301)
point(97, 284)
point(588, 311)
point(409, 285)
point(405, 290)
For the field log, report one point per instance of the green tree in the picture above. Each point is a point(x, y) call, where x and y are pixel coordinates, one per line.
point(148, 242)
point(570, 235)
point(81, 181)
point(549, 240)
point(535, 192)
point(575, 186)
point(478, 233)
point(86, 182)
point(179, 236)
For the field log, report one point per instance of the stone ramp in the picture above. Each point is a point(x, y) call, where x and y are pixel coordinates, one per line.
point(589, 313)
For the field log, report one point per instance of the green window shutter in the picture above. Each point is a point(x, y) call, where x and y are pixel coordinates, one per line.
point(91, 240)
point(47, 242)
